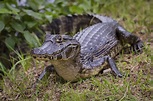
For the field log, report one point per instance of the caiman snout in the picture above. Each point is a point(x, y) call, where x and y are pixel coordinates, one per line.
point(36, 53)
point(40, 54)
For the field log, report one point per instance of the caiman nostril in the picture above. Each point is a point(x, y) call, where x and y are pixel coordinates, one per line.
point(35, 51)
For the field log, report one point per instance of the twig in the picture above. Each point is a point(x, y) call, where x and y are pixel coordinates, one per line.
point(127, 88)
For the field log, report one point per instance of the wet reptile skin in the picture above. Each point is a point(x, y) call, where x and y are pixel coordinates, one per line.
point(84, 54)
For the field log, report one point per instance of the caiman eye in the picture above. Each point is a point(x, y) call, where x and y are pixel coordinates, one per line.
point(59, 39)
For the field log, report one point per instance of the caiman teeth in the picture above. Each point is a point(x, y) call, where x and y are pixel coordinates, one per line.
point(50, 57)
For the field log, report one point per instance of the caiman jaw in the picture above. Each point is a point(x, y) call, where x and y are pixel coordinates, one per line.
point(42, 57)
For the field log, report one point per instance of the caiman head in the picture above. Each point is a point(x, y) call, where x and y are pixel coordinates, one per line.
point(57, 47)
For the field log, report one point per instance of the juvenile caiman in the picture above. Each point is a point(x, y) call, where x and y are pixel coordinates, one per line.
point(85, 53)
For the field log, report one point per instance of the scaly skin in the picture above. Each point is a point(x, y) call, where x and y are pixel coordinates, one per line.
point(84, 54)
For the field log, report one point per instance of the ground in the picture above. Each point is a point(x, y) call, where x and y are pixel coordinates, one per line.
point(136, 84)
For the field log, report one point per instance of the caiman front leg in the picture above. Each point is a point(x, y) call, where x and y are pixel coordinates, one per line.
point(127, 37)
point(46, 72)
point(100, 61)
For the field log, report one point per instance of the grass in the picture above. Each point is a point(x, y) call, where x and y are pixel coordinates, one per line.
point(136, 85)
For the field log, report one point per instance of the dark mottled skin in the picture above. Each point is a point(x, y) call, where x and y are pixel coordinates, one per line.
point(84, 54)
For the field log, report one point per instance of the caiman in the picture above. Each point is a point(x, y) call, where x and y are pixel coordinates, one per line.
point(98, 40)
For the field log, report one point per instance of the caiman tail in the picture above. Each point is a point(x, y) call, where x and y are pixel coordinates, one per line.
point(70, 24)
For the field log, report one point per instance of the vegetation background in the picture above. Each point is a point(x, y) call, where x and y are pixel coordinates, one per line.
point(20, 32)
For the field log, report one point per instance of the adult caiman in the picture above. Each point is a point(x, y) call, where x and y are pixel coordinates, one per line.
point(98, 40)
